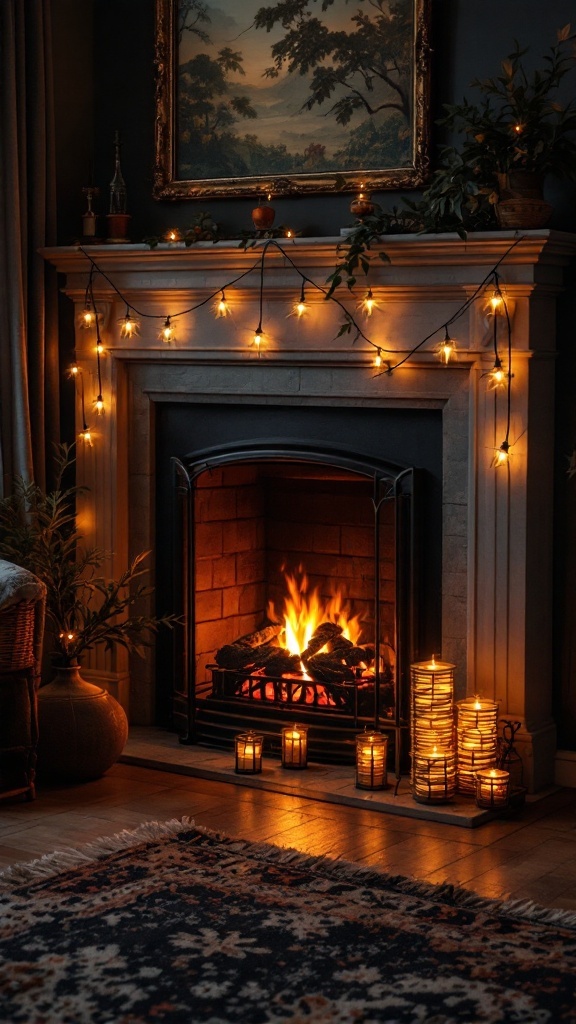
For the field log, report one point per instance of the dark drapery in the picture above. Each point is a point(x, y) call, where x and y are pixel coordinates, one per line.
point(29, 369)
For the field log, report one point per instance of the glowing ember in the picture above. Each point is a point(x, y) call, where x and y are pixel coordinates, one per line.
point(304, 611)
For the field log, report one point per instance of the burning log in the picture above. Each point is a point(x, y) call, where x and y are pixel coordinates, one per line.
point(261, 636)
point(274, 660)
point(326, 631)
point(329, 668)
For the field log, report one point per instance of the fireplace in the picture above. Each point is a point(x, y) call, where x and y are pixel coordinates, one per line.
point(297, 571)
point(484, 570)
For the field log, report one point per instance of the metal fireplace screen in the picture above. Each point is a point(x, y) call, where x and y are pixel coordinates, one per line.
point(336, 685)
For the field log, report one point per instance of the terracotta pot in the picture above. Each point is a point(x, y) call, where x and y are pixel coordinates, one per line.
point(82, 728)
point(361, 207)
point(263, 217)
point(117, 227)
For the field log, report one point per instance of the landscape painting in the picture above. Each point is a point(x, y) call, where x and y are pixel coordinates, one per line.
point(291, 97)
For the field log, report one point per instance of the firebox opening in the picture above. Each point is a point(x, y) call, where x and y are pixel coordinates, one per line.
point(264, 519)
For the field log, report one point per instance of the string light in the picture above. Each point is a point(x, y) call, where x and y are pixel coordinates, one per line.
point(378, 358)
point(368, 303)
point(496, 300)
point(497, 375)
point(300, 307)
point(502, 454)
point(99, 405)
point(129, 327)
point(221, 306)
point(258, 334)
point(87, 317)
point(85, 436)
point(167, 334)
point(447, 348)
point(99, 347)
point(73, 371)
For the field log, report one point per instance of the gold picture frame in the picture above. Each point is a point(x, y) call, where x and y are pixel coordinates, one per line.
point(244, 108)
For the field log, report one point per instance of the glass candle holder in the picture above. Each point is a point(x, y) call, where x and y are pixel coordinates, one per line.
point(477, 740)
point(371, 756)
point(492, 788)
point(295, 746)
point(248, 749)
point(433, 776)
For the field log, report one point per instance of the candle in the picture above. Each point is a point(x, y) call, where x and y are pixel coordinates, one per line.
point(295, 747)
point(477, 739)
point(492, 788)
point(371, 756)
point(433, 776)
point(248, 749)
point(172, 236)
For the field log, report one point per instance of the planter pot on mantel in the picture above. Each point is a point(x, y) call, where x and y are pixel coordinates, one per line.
point(82, 728)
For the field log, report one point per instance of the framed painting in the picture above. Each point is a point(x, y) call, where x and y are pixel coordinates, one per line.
point(292, 97)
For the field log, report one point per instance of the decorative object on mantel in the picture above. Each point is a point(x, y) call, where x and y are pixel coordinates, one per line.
point(361, 206)
point(433, 776)
point(117, 218)
point(82, 727)
point(89, 217)
point(263, 215)
point(249, 926)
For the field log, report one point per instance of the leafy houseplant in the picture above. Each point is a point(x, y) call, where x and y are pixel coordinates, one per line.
point(518, 127)
point(82, 728)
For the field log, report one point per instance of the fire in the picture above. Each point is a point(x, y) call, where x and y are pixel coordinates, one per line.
point(304, 611)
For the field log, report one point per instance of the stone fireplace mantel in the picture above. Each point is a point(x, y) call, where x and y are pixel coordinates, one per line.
point(497, 524)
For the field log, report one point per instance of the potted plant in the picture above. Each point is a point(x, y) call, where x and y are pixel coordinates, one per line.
point(82, 727)
point(518, 132)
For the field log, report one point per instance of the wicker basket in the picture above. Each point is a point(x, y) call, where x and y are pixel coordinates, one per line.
point(17, 637)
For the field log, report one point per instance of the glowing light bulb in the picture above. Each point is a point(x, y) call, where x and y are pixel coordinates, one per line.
point(368, 303)
point(447, 348)
point(86, 437)
point(128, 325)
point(288, 233)
point(87, 318)
point(300, 307)
point(99, 348)
point(222, 308)
point(497, 374)
point(378, 358)
point(501, 455)
point(99, 405)
point(73, 370)
point(167, 333)
point(258, 334)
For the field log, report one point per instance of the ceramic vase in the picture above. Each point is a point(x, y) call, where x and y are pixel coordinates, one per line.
point(82, 728)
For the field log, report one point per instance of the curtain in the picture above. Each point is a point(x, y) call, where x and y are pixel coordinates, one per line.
point(29, 366)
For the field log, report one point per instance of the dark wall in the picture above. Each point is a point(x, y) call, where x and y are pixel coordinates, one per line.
point(105, 80)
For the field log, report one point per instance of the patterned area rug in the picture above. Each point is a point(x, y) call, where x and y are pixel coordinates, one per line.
point(176, 923)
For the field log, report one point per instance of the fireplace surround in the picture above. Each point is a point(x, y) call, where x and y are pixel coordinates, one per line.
point(492, 595)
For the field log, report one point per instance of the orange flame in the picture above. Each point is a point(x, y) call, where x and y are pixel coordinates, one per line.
point(304, 611)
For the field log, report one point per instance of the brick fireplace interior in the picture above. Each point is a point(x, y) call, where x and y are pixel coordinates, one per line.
point(278, 498)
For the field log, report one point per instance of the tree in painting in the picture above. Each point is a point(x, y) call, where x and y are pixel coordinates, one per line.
point(367, 69)
point(208, 107)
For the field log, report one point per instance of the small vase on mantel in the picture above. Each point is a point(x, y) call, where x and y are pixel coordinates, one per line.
point(263, 216)
point(82, 728)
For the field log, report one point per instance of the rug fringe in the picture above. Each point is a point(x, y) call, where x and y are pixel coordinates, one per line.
point(71, 857)
point(525, 910)
point(152, 831)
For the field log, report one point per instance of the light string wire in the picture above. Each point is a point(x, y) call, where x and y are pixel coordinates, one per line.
point(349, 319)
